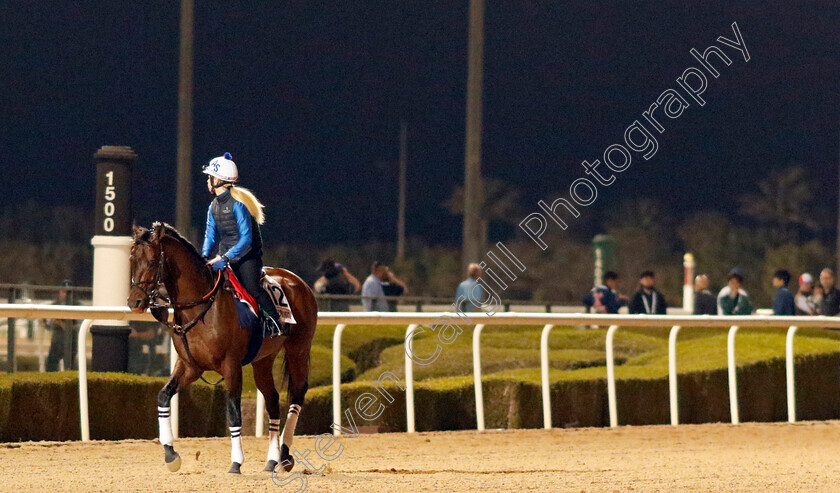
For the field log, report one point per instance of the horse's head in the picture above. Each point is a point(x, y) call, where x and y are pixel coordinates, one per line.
point(146, 257)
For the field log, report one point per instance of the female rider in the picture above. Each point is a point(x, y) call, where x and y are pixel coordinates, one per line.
point(233, 224)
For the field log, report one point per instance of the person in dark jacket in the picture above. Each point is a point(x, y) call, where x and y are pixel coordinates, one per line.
point(64, 338)
point(647, 299)
point(604, 298)
point(831, 297)
point(336, 279)
point(233, 227)
point(705, 302)
point(783, 303)
point(733, 299)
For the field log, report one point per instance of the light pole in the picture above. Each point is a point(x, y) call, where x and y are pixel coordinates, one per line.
point(185, 117)
point(473, 234)
point(401, 218)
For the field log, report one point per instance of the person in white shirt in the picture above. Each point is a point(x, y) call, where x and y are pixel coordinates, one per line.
point(380, 283)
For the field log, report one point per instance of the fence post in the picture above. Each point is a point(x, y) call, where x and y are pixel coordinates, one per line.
point(68, 335)
point(789, 374)
point(546, 391)
point(611, 398)
point(672, 374)
point(11, 334)
point(336, 378)
point(83, 388)
point(409, 380)
point(259, 415)
point(733, 377)
point(479, 391)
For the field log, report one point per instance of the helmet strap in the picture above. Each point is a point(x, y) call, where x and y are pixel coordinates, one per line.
point(221, 183)
point(217, 183)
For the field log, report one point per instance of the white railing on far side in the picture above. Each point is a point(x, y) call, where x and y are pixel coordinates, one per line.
point(547, 320)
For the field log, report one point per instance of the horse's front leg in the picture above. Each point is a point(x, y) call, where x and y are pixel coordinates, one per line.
point(182, 376)
point(233, 387)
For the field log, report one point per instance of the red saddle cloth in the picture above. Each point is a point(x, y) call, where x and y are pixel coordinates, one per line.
point(241, 293)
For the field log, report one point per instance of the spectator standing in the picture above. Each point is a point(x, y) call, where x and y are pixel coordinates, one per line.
point(804, 299)
point(470, 289)
point(336, 279)
point(62, 330)
point(783, 303)
point(647, 299)
point(605, 298)
point(817, 297)
point(830, 304)
point(733, 299)
point(381, 283)
point(704, 301)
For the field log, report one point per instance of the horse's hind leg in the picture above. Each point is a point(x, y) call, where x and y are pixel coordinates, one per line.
point(297, 368)
point(233, 387)
point(265, 383)
point(182, 376)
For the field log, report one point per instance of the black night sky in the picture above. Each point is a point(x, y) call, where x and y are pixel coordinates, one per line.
point(308, 97)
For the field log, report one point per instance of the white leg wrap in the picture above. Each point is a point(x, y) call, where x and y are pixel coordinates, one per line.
point(236, 454)
point(273, 440)
point(291, 423)
point(164, 426)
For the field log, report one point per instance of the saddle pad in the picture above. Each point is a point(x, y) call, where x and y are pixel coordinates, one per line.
point(249, 321)
point(278, 297)
point(243, 295)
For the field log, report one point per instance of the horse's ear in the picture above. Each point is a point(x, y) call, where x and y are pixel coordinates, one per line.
point(137, 231)
point(158, 232)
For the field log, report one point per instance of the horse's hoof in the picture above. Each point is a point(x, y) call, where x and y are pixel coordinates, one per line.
point(270, 466)
point(288, 463)
point(173, 460)
point(234, 468)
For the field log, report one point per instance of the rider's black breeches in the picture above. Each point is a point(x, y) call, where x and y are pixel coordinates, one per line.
point(248, 272)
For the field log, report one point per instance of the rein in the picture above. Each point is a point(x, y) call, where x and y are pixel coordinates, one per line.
point(161, 310)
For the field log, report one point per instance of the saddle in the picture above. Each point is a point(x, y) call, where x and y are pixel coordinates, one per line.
point(250, 316)
point(272, 287)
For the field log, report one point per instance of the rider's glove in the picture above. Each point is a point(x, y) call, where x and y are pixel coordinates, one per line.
point(220, 264)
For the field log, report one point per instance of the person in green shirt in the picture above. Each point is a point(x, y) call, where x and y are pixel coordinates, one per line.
point(733, 299)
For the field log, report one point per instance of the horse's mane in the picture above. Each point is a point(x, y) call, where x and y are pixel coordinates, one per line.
point(173, 233)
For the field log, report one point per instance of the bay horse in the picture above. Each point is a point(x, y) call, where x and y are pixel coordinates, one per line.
point(207, 336)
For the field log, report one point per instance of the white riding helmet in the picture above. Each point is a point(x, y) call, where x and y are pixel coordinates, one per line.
point(222, 167)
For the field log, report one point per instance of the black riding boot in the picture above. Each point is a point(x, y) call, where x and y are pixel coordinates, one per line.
point(248, 272)
point(272, 325)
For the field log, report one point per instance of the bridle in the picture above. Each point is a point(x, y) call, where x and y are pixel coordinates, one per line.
point(161, 310)
point(154, 296)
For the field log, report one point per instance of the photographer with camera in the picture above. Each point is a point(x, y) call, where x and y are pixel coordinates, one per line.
point(336, 279)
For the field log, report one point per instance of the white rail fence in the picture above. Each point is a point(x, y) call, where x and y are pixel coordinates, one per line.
point(549, 321)
point(412, 320)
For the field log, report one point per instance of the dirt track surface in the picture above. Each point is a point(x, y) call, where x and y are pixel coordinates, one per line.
point(749, 457)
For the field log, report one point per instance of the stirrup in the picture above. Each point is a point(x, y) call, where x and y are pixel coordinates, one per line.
point(272, 328)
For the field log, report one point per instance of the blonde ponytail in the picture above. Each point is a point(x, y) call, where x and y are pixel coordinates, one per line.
point(251, 202)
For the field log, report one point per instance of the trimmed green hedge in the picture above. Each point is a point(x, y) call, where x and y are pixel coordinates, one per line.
point(515, 401)
point(45, 406)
